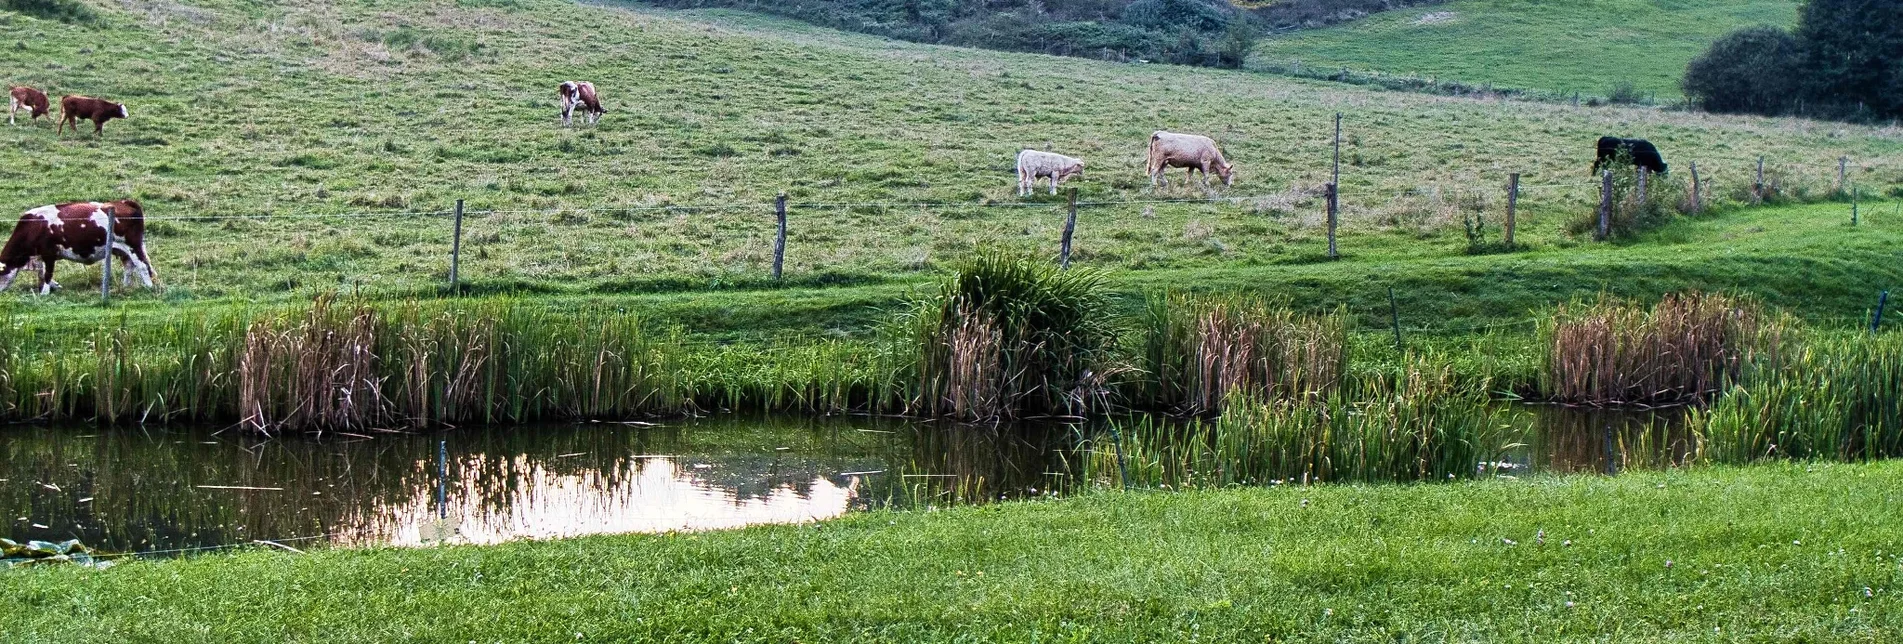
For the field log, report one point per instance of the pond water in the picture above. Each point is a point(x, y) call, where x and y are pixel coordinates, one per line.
point(179, 489)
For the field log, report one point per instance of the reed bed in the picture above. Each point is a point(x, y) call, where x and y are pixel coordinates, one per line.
point(1838, 398)
point(1682, 350)
point(1198, 350)
point(1010, 336)
point(1420, 427)
point(351, 366)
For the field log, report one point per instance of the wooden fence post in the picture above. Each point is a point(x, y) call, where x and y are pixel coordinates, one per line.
point(1757, 189)
point(1334, 196)
point(1697, 201)
point(1394, 316)
point(1513, 203)
point(1070, 227)
point(1335, 176)
point(1842, 164)
point(105, 267)
point(779, 239)
point(1642, 181)
point(1605, 206)
point(1853, 206)
point(456, 247)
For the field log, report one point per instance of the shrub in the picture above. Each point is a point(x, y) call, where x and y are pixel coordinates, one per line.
point(62, 10)
point(1752, 70)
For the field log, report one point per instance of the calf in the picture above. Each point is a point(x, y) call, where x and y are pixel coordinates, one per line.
point(1198, 153)
point(73, 109)
point(77, 232)
point(580, 94)
point(1033, 164)
point(32, 99)
point(1641, 151)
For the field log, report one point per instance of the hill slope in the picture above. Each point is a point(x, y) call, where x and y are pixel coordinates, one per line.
point(267, 116)
point(1552, 46)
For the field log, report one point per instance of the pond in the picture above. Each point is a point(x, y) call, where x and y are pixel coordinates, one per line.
point(172, 490)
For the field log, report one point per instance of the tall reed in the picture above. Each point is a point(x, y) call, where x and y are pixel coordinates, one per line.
point(1683, 349)
point(1420, 427)
point(1196, 350)
point(1840, 397)
point(1008, 336)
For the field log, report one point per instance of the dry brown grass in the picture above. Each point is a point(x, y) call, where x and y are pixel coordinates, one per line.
point(1684, 349)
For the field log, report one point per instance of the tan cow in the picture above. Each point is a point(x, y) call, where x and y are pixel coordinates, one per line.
point(1195, 152)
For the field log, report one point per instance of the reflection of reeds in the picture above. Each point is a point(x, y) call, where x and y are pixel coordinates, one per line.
point(1840, 397)
point(1197, 350)
point(1683, 349)
point(1008, 336)
point(1418, 427)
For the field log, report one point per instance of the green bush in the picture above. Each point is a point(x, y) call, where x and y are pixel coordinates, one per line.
point(1845, 60)
point(61, 10)
point(1753, 70)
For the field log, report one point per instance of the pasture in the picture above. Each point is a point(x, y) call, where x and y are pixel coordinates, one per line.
point(324, 144)
point(1552, 47)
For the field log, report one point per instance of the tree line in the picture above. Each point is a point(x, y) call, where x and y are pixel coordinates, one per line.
point(1215, 33)
point(1844, 60)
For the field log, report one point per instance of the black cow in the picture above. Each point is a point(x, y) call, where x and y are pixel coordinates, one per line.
point(1642, 152)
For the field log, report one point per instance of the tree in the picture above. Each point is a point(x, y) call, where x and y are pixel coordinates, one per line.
point(1853, 52)
point(1755, 70)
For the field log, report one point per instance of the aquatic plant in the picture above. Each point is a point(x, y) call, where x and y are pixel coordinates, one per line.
point(1418, 427)
point(1008, 336)
point(1196, 350)
point(1840, 397)
point(1683, 349)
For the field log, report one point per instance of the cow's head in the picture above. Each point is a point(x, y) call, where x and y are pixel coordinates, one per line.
point(1071, 171)
point(1228, 173)
point(121, 109)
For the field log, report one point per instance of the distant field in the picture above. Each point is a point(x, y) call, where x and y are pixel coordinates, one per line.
point(1556, 46)
point(397, 109)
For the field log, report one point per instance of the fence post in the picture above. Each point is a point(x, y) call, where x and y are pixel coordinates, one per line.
point(1757, 189)
point(1605, 206)
point(1333, 220)
point(1335, 176)
point(1842, 162)
point(1853, 206)
point(1877, 320)
point(105, 267)
point(442, 479)
point(1642, 181)
point(1697, 201)
point(1070, 227)
point(1394, 317)
point(1513, 203)
point(456, 247)
point(779, 239)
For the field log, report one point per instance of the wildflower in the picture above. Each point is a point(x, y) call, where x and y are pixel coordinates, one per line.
point(1867, 592)
point(1569, 604)
point(1568, 543)
point(1327, 612)
point(1540, 538)
point(1668, 563)
point(1304, 503)
point(1507, 541)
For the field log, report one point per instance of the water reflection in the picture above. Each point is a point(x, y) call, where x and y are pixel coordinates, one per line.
point(140, 490)
point(151, 490)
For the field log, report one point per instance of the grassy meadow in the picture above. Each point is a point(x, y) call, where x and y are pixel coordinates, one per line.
point(266, 116)
point(1553, 47)
point(1768, 553)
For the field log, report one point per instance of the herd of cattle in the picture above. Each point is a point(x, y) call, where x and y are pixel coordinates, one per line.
point(78, 231)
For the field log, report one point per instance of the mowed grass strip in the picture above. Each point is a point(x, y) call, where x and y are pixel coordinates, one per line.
point(1550, 46)
point(1775, 552)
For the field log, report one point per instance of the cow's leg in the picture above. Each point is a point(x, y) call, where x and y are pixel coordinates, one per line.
point(1054, 180)
point(13, 107)
point(46, 276)
point(9, 270)
point(568, 112)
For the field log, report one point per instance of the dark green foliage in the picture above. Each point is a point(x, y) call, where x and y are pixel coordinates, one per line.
point(1284, 15)
point(1753, 70)
point(1845, 60)
point(61, 10)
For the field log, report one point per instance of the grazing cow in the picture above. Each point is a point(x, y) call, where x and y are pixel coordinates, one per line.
point(1198, 153)
point(73, 109)
point(1033, 164)
point(1642, 152)
point(581, 94)
point(77, 232)
point(32, 99)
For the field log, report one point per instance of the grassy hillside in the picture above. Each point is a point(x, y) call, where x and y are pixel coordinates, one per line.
point(1772, 553)
point(1552, 46)
point(290, 111)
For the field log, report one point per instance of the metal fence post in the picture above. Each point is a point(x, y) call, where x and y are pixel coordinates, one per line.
point(779, 239)
point(1070, 228)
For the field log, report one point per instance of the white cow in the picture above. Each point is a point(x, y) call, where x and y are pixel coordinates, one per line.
point(1033, 164)
point(1196, 152)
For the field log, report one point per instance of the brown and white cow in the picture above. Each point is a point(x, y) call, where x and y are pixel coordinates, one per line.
point(580, 94)
point(73, 109)
point(32, 99)
point(77, 232)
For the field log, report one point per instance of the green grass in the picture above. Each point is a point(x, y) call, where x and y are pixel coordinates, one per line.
point(1551, 46)
point(293, 109)
point(1768, 553)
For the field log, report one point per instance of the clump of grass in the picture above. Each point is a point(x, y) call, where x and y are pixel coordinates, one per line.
point(1008, 336)
point(1840, 397)
point(1422, 426)
point(1196, 350)
point(1635, 208)
point(1682, 350)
